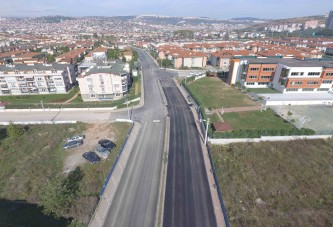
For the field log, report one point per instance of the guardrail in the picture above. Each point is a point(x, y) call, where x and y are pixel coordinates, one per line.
point(37, 122)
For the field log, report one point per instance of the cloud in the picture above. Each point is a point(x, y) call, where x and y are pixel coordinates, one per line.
point(36, 10)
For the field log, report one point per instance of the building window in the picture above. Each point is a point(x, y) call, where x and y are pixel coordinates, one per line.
point(297, 74)
point(117, 94)
point(291, 89)
point(312, 82)
point(252, 77)
point(263, 83)
point(307, 89)
point(251, 83)
point(268, 69)
point(265, 77)
point(254, 69)
point(313, 73)
point(296, 83)
point(327, 81)
point(92, 96)
point(323, 89)
point(329, 74)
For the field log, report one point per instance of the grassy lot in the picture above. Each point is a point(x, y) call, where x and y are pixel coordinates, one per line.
point(213, 93)
point(264, 90)
point(30, 161)
point(48, 98)
point(255, 120)
point(277, 183)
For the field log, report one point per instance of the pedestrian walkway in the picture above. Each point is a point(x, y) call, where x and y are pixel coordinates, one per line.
point(218, 114)
point(241, 109)
point(71, 99)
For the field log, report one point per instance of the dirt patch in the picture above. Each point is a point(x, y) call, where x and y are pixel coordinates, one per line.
point(136, 89)
point(93, 133)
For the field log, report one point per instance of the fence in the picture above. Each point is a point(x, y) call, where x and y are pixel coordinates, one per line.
point(115, 163)
point(202, 127)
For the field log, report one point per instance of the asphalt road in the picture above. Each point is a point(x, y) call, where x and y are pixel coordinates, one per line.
point(135, 202)
point(187, 200)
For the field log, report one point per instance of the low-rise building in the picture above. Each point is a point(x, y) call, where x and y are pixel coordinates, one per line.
point(24, 79)
point(303, 76)
point(100, 82)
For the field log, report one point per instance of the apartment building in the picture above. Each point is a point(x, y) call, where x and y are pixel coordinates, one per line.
point(25, 79)
point(100, 82)
point(329, 21)
point(99, 53)
point(285, 75)
point(303, 76)
point(253, 73)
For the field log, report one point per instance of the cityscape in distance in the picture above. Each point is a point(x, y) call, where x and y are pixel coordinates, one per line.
point(166, 113)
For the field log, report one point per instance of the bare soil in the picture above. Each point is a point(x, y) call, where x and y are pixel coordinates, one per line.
point(93, 133)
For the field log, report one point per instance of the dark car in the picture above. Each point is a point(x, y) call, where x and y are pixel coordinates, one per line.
point(92, 157)
point(107, 144)
point(71, 144)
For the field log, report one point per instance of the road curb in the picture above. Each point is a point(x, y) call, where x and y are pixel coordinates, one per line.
point(161, 197)
point(162, 92)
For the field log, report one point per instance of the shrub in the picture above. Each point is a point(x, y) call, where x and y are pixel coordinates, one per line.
point(14, 131)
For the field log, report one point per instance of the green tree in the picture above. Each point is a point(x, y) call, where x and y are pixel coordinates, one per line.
point(113, 54)
point(58, 194)
point(166, 63)
point(50, 58)
point(14, 131)
point(95, 35)
point(123, 59)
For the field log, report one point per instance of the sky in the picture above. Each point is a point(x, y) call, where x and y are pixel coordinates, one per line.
point(221, 9)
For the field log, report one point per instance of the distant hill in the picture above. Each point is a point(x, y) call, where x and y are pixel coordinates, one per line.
point(250, 19)
point(54, 19)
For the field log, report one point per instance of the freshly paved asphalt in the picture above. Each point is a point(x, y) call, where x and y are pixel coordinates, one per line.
point(187, 200)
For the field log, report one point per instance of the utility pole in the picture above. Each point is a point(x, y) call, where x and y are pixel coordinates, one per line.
point(206, 134)
point(41, 102)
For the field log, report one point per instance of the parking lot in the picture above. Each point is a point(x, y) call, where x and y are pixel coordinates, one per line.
point(316, 117)
point(93, 133)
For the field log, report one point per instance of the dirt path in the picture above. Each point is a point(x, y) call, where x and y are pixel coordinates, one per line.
point(71, 99)
point(136, 89)
point(217, 112)
point(240, 109)
point(93, 133)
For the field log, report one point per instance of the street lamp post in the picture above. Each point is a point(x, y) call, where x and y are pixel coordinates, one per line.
point(206, 133)
point(41, 103)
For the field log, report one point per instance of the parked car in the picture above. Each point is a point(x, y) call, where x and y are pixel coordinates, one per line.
point(107, 144)
point(91, 157)
point(102, 151)
point(71, 144)
point(76, 137)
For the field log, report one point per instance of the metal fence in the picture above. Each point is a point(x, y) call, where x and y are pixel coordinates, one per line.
point(115, 163)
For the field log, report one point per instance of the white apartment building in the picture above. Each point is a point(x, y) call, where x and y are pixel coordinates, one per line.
point(104, 81)
point(25, 79)
point(304, 77)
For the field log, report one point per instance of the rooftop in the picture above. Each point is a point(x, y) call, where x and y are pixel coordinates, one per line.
point(30, 67)
point(116, 68)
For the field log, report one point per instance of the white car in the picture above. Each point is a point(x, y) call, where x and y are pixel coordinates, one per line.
point(76, 137)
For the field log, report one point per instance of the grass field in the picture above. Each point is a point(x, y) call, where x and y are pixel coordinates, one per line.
point(213, 93)
point(264, 90)
point(277, 183)
point(255, 120)
point(28, 162)
point(47, 98)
